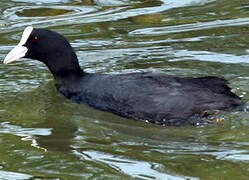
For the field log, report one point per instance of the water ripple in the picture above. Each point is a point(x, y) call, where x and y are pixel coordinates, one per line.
point(7, 175)
point(137, 169)
point(11, 15)
point(84, 14)
point(20, 131)
point(190, 27)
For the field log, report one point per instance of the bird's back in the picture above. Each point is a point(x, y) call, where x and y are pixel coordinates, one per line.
point(156, 98)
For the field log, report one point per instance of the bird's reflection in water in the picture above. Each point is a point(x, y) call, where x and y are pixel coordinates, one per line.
point(51, 112)
point(61, 137)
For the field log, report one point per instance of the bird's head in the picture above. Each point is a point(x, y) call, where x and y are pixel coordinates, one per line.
point(48, 47)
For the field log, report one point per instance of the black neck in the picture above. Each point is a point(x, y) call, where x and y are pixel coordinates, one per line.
point(65, 67)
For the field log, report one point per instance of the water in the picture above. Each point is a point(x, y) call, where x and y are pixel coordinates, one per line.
point(44, 136)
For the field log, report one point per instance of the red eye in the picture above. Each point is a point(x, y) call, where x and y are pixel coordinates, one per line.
point(34, 39)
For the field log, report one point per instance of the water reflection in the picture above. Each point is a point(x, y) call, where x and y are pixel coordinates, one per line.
point(44, 133)
point(137, 169)
point(7, 175)
point(42, 1)
point(191, 27)
point(61, 137)
point(87, 14)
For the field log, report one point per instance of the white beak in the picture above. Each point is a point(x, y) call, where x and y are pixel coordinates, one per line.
point(15, 54)
point(19, 51)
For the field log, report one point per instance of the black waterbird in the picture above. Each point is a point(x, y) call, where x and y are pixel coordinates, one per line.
point(151, 97)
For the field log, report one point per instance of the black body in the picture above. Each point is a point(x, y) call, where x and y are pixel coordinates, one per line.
point(151, 97)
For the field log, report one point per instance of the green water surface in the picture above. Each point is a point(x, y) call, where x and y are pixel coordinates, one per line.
point(44, 136)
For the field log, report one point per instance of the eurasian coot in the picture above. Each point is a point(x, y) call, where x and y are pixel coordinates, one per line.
point(151, 97)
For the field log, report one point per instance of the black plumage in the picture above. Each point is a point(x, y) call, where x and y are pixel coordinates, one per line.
point(152, 97)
